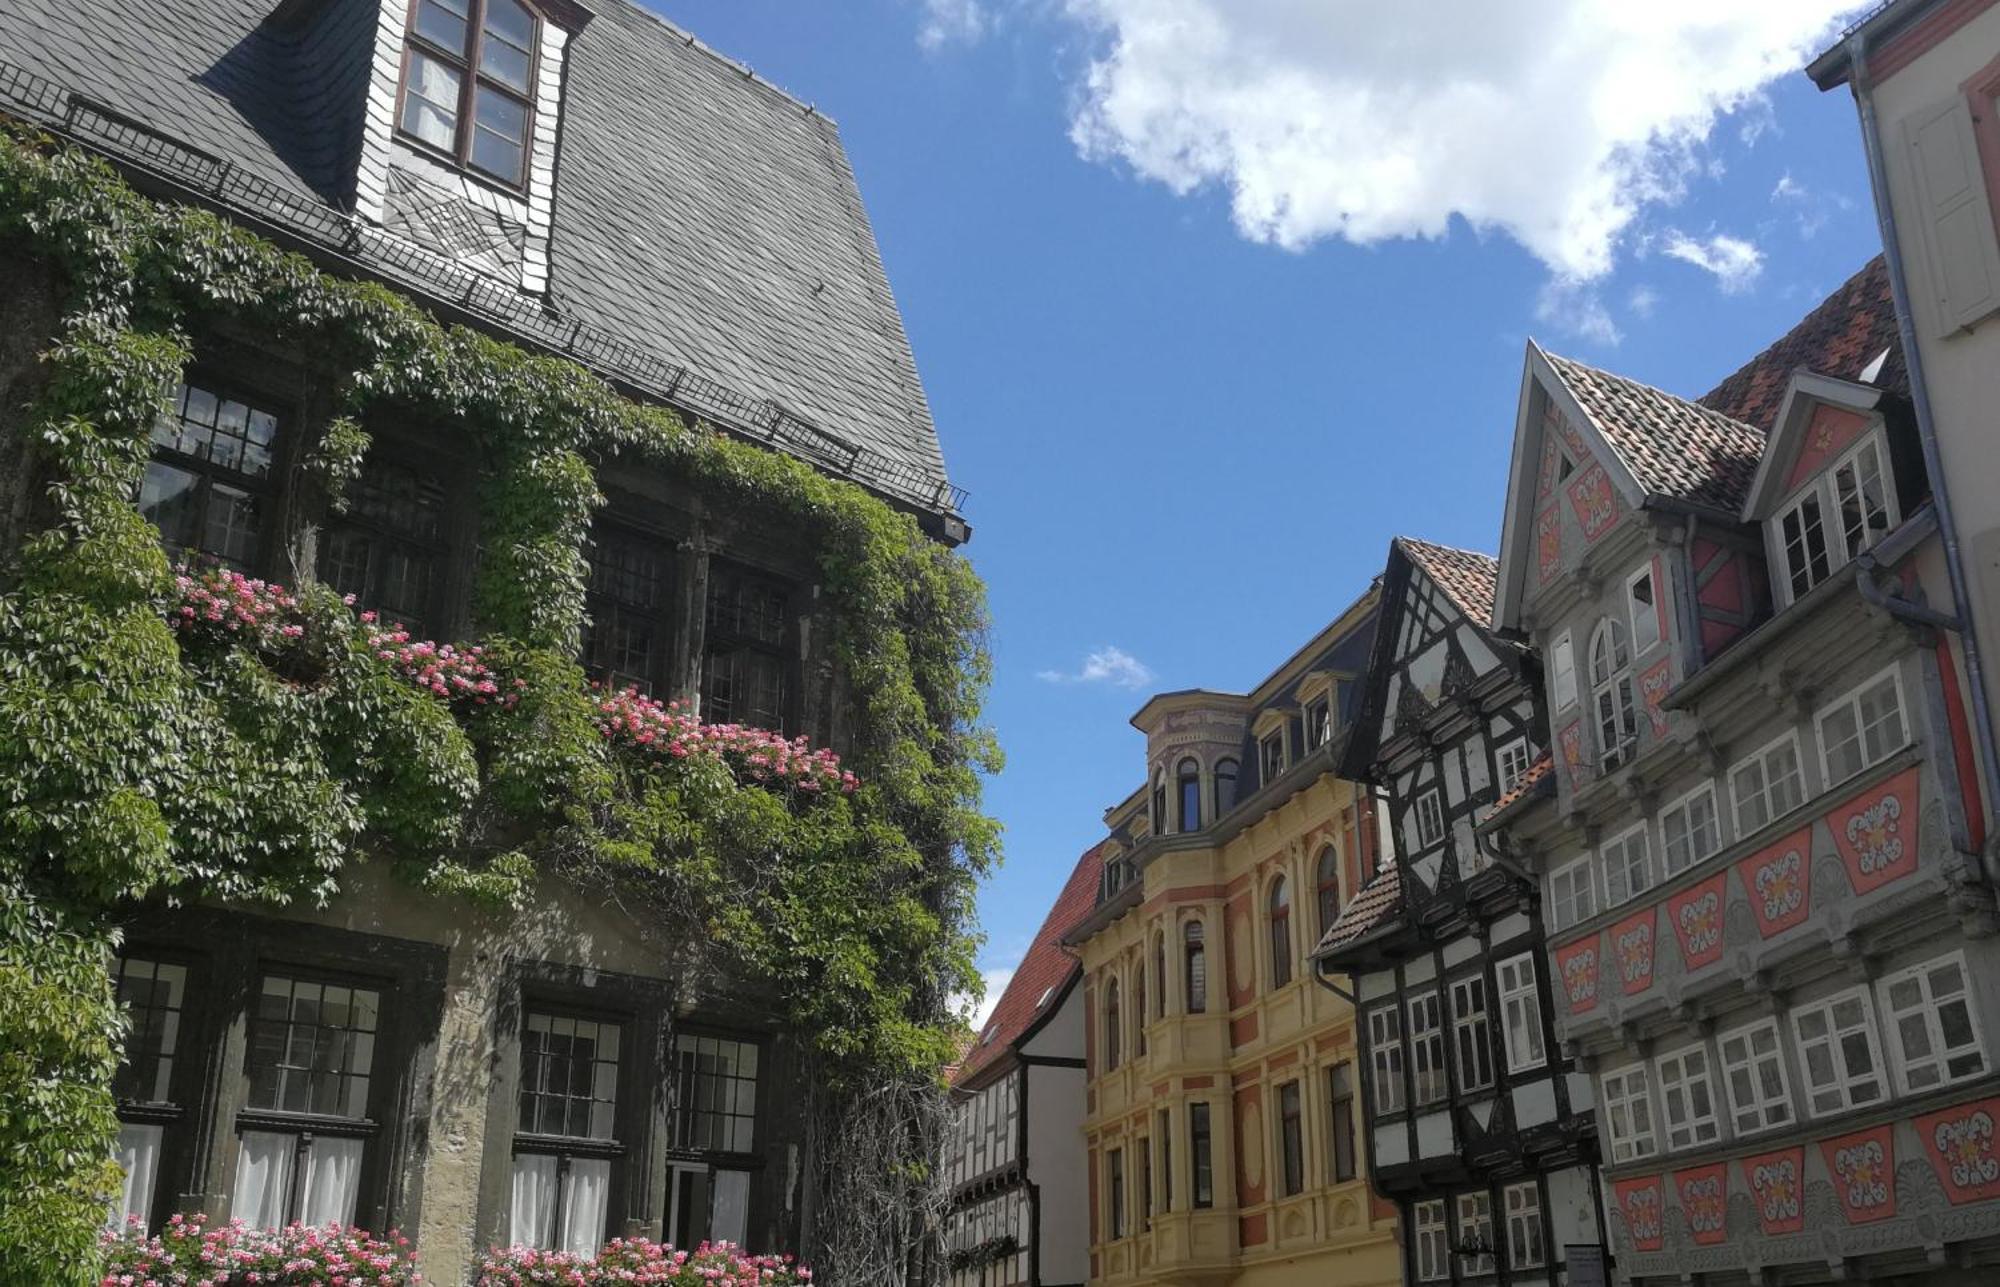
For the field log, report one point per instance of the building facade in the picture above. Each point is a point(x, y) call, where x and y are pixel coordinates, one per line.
point(1770, 930)
point(406, 1060)
point(1016, 1167)
point(1222, 1121)
point(1479, 1124)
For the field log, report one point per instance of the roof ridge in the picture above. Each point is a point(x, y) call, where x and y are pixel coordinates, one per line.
point(1449, 549)
point(743, 69)
point(1693, 404)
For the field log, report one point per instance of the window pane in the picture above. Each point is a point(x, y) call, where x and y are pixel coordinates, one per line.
point(715, 1088)
point(443, 21)
point(501, 135)
point(332, 1181)
point(510, 34)
point(430, 107)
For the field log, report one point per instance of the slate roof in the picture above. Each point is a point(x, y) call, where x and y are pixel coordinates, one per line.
point(1675, 448)
point(1044, 969)
point(700, 215)
point(1379, 900)
point(1466, 575)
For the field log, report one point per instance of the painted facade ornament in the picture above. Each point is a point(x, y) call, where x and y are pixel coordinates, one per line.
point(1645, 1217)
point(1548, 544)
point(1831, 431)
point(1696, 917)
point(1960, 1145)
point(1778, 881)
point(1579, 451)
point(1876, 832)
point(1551, 468)
point(1571, 742)
point(1704, 1198)
point(1576, 966)
point(1863, 1167)
point(1777, 1186)
point(1632, 949)
point(1591, 499)
point(1654, 684)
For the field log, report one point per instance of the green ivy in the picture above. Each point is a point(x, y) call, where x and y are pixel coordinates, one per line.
point(142, 765)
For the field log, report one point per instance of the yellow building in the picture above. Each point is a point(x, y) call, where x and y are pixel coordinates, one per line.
point(1222, 1114)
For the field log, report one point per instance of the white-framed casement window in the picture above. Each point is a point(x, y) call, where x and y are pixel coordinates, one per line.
point(1427, 1048)
point(1572, 893)
point(1433, 1260)
point(1521, 1013)
point(1687, 1098)
point(1838, 1052)
point(1628, 866)
point(1471, 1033)
point(1319, 722)
point(1628, 1113)
point(1863, 728)
point(1690, 830)
point(1512, 762)
point(1430, 818)
point(1612, 706)
point(1562, 672)
point(1385, 1059)
point(1767, 785)
point(1475, 1229)
point(1927, 1010)
point(1753, 1072)
point(1642, 600)
point(1525, 1246)
point(1839, 514)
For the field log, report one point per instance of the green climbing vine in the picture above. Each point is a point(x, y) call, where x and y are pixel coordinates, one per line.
point(146, 762)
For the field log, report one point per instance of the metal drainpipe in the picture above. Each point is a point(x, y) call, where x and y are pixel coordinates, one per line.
point(1906, 332)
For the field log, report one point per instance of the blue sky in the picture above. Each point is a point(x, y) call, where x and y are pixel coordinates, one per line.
point(1191, 420)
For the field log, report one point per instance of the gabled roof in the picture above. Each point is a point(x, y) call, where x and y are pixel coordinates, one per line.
point(1043, 975)
point(1676, 449)
point(1466, 575)
point(1379, 901)
point(708, 234)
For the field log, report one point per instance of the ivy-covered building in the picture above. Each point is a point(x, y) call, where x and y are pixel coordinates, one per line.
point(653, 297)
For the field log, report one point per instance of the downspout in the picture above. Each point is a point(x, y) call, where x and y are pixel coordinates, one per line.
point(1906, 334)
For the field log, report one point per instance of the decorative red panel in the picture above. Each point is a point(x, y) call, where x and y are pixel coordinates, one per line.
point(1876, 832)
point(1778, 880)
point(1576, 966)
point(1591, 499)
point(1778, 1183)
point(1959, 1143)
point(1654, 684)
point(1632, 951)
point(1579, 451)
point(1831, 431)
point(1252, 1230)
point(1863, 1167)
point(1696, 917)
point(1551, 468)
point(1548, 544)
point(1645, 1216)
point(1704, 1197)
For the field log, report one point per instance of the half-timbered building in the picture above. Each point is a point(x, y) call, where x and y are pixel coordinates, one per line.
point(1478, 1125)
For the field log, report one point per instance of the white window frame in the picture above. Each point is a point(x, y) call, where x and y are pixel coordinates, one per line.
point(1475, 1212)
point(1430, 1082)
point(1668, 867)
point(1844, 1082)
point(1432, 1253)
point(1824, 491)
point(1626, 1096)
point(1927, 1013)
point(1523, 1201)
point(1562, 672)
point(1686, 1078)
point(1850, 702)
point(1386, 1059)
point(1472, 1030)
point(1511, 762)
point(1572, 893)
point(1430, 818)
point(1616, 858)
point(1761, 757)
point(1760, 1109)
point(1654, 633)
point(1619, 687)
point(1521, 1013)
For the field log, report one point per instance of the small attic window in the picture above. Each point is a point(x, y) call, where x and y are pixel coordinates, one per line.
point(986, 1037)
point(1044, 998)
point(468, 83)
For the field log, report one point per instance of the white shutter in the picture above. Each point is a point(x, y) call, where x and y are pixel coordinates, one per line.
point(1954, 215)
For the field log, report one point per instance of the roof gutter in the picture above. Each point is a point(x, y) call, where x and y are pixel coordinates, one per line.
point(1906, 332)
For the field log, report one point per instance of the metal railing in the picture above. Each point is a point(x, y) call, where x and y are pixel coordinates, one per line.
point(130, 141)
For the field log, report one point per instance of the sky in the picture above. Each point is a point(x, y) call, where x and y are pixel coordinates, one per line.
point(1211, 298)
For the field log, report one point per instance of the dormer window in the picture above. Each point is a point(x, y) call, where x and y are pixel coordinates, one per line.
point(468, 83)
point(1319, 723)
point(1840, 513)
point(1271, 757)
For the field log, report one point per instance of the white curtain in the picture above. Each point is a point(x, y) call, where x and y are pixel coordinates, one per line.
point(729, 1218)
point(586, 1205)
point(333, 1180)
point(138, 1155)
point(531, 1212)
point(263, 1173)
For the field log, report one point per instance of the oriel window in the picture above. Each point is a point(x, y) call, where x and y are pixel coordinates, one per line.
point(468, 83)
point(209, 479)
point(386, 550)
point(743, 671)
point(626, 640)
point(565, 1137)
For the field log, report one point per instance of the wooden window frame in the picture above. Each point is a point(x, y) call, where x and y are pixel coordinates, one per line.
point(1524, 994)
point(1850, 702)
point(1927, 1012)
point(1844, 1082)
point(1695, 853)
point(1752, 1114)
point(466, 61)
point(1278, 906)
point(1683, 1074)
point(1624, 1093)
point(1387, 1074)
point(1763, 796)
point(1581, 878)
point(1472, 1033)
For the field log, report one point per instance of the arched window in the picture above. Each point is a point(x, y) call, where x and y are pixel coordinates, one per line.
point(1160, 802)
point(1160, 975)
point(1187, 779)
point(1611, 693)
point(1281, 932)
point(1197, 968)
point(1327, 885)
point(1114, 1026)
point(1139, 1010)
point(1225, 786)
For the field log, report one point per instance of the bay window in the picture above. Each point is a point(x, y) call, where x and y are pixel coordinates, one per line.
point(1196, 967)
point(468, 83)
point(1187, 781)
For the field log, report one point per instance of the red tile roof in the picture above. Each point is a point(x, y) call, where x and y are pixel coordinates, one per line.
point(1379, 899)
point(1467, 576)
point(1537, 772)
point(1044, 969)
point(1839, 338)
point(1673, 447)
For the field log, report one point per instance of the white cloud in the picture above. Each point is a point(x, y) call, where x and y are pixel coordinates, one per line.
point(1108, 665)
point(1575, 307)
point(1644, 299)
point(1735, 262)
point(1555, 122)
point(950, 22)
